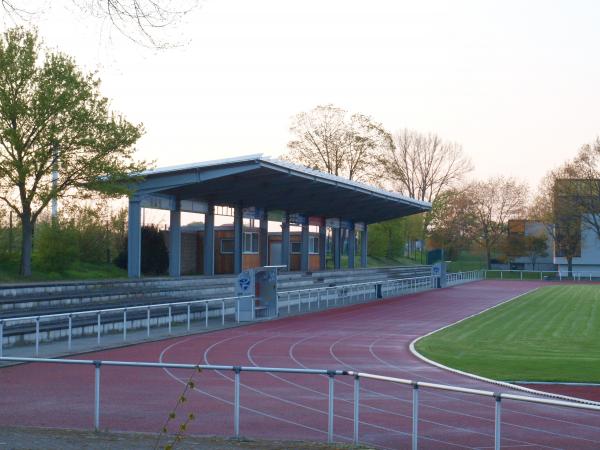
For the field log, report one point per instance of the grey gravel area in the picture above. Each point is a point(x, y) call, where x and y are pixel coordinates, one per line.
point(51, 439)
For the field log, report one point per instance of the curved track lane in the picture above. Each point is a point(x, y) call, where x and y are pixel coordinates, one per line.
point(370, 337)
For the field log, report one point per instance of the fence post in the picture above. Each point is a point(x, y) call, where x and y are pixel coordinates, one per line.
point(37, 336)
point(223, 312)
point(236, 401)
point(415, 415)
point(498, 421)
point(188, 316)
point(97, 365)
point(170, 319)
point(148, 321)
point(98, 338)
point(330, 408)
point(206, 314)
point(356, 407)
point(1, 336)
point(125, 324)
point(70, 333)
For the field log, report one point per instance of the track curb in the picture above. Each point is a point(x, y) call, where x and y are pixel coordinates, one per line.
point(505, 384)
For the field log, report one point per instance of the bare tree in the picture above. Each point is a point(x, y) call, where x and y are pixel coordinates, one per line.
point(583, 173)
point(145, 22)
point(329, 139)
point(494, 202)
point(422, 165)
point(555, 207)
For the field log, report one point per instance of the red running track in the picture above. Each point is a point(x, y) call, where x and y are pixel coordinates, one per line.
point(370, 337)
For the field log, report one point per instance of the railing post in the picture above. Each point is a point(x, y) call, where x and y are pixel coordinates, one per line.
point(498, 421)
point(1, 336)
point(125, 324)
point(237, 310)
point(288, 302)
point(356, 407)
point(70, 332)
point(206, 314)
point(236, 401)
point(223, 312)
point(148, 321)
point(189, 315)
point(170, 319)
point(98, 326)
point(37, 336)
point(97, 365)
point(331, 375)
point(415, 416)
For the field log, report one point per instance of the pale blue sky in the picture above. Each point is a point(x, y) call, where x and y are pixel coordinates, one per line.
point(515, 82)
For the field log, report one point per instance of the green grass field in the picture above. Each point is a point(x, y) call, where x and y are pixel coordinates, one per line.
point(9, 272)
point(552, 334)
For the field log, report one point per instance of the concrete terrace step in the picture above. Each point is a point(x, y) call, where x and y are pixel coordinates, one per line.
point(46, 298)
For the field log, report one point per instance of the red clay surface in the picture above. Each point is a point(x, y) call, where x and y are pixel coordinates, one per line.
point(371, 338)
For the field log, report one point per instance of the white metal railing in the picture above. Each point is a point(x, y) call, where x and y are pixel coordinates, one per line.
point(540, 274)
point(350, 293)
point(455, 278)
point(292, 301)
point(38, 319)
point(416, 386)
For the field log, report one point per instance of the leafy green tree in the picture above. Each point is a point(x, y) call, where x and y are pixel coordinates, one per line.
point(452, 223)
point(155, 255)
point(53, 116)
point(56, 247)
point(386, 239)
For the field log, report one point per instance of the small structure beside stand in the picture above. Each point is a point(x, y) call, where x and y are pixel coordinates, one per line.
point(261, 283)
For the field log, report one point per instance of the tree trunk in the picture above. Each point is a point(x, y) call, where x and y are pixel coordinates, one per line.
point(488, 257)
point(27, 243)
point(570, 266)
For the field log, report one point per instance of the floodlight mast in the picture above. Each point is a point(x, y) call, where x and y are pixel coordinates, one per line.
point(55, 151)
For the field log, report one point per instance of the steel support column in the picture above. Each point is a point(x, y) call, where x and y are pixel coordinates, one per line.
point(209, 241)
point(285, 242)
point(238, 238)
point(134, 239)
point(364, 237)
point(351, 247)
point(337, 248)
point(175, 243)
point(263, 240)
point(322, 247)
point(304, 249)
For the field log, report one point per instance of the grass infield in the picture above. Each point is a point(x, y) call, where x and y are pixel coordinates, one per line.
point(552, 334)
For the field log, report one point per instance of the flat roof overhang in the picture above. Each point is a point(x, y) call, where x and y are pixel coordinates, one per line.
point(274, 184)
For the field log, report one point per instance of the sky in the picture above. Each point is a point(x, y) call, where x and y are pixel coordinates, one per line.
point(514, 82)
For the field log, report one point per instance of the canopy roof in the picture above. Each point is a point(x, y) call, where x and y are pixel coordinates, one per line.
point(273, 184)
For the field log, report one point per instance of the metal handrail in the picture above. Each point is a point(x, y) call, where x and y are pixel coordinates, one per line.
point(98, 313)
point(359, 291)
point(331, 374)
point(576, 275)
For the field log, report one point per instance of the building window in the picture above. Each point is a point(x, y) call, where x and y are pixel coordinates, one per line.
point(296, 247)
point(227, 246)
point(250, 242)
point(313, 245)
